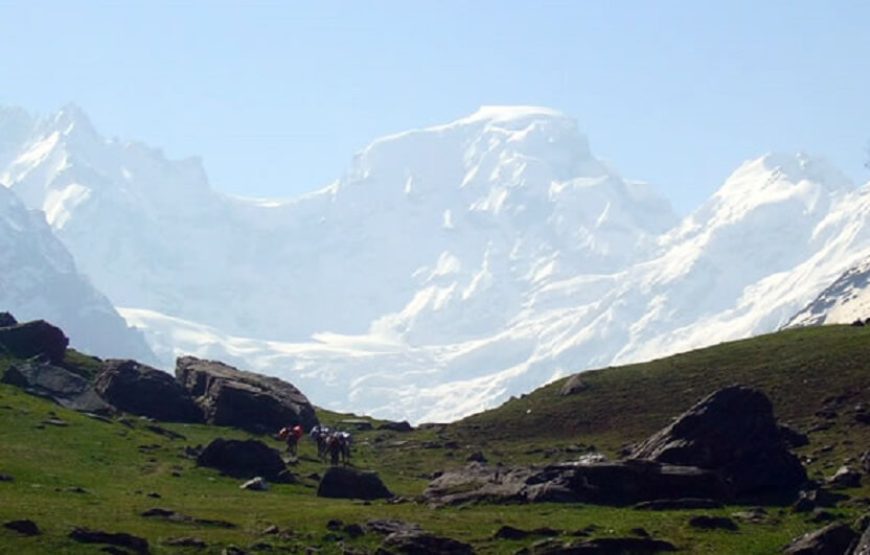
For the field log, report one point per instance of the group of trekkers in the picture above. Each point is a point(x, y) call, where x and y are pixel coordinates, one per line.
point(332, 444)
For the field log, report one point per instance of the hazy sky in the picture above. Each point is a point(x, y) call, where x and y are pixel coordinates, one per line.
point(277, 96)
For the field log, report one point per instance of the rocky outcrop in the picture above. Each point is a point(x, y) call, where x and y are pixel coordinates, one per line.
point(145, 391)
point(244, 459)
point(611, 483)
point(231, 397)
point(37, 338)
point(575, 384)
point(58, 384)
point(732, 432)
point(349, 483)
point(834, 539)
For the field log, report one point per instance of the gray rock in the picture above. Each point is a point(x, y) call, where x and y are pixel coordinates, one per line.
point(139, 389)
point(613, 483)
point(386, 527)
point(573, 386)
point(732, 432)
point(58, 384)
point(228, 396)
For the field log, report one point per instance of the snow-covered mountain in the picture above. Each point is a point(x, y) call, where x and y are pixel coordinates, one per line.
point(40, 281)
point(448, 268)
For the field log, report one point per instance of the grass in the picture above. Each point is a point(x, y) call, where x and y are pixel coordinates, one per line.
point(118, 464)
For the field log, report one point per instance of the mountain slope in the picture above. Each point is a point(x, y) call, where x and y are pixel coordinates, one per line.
point(40, 281)
point(845, 300)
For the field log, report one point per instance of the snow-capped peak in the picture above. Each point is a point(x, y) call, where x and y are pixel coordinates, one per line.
point(71, 119)
point(780, 172)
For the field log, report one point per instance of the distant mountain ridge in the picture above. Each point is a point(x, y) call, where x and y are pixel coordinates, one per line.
point(448, 268)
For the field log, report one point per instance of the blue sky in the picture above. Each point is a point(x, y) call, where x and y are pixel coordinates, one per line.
point(277, 96)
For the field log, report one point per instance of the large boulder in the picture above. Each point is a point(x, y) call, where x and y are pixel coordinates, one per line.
point(612, 483)
point(245, 459)
point(349, 483)
point(58, 384)
point(733, 432)
point(228, 396)
point(37, 338)
point(140, 389)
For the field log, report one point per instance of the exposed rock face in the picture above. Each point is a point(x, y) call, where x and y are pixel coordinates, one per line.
point(350, 483)
point(733, 432)
point(34, 338)
point(834, 539)
point(574, 385)
point(244, 459)
point(58, 384)
point(613, 483)
point(140, 389)
point(231, 397)
point(414, 543)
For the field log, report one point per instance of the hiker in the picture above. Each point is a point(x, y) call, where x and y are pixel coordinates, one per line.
point(345, 441)
point(289, 436)
point(333, 447)
point(319, 434)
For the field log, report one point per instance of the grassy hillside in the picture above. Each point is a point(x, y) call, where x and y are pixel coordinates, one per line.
point(803, 371)
point(82, 471)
